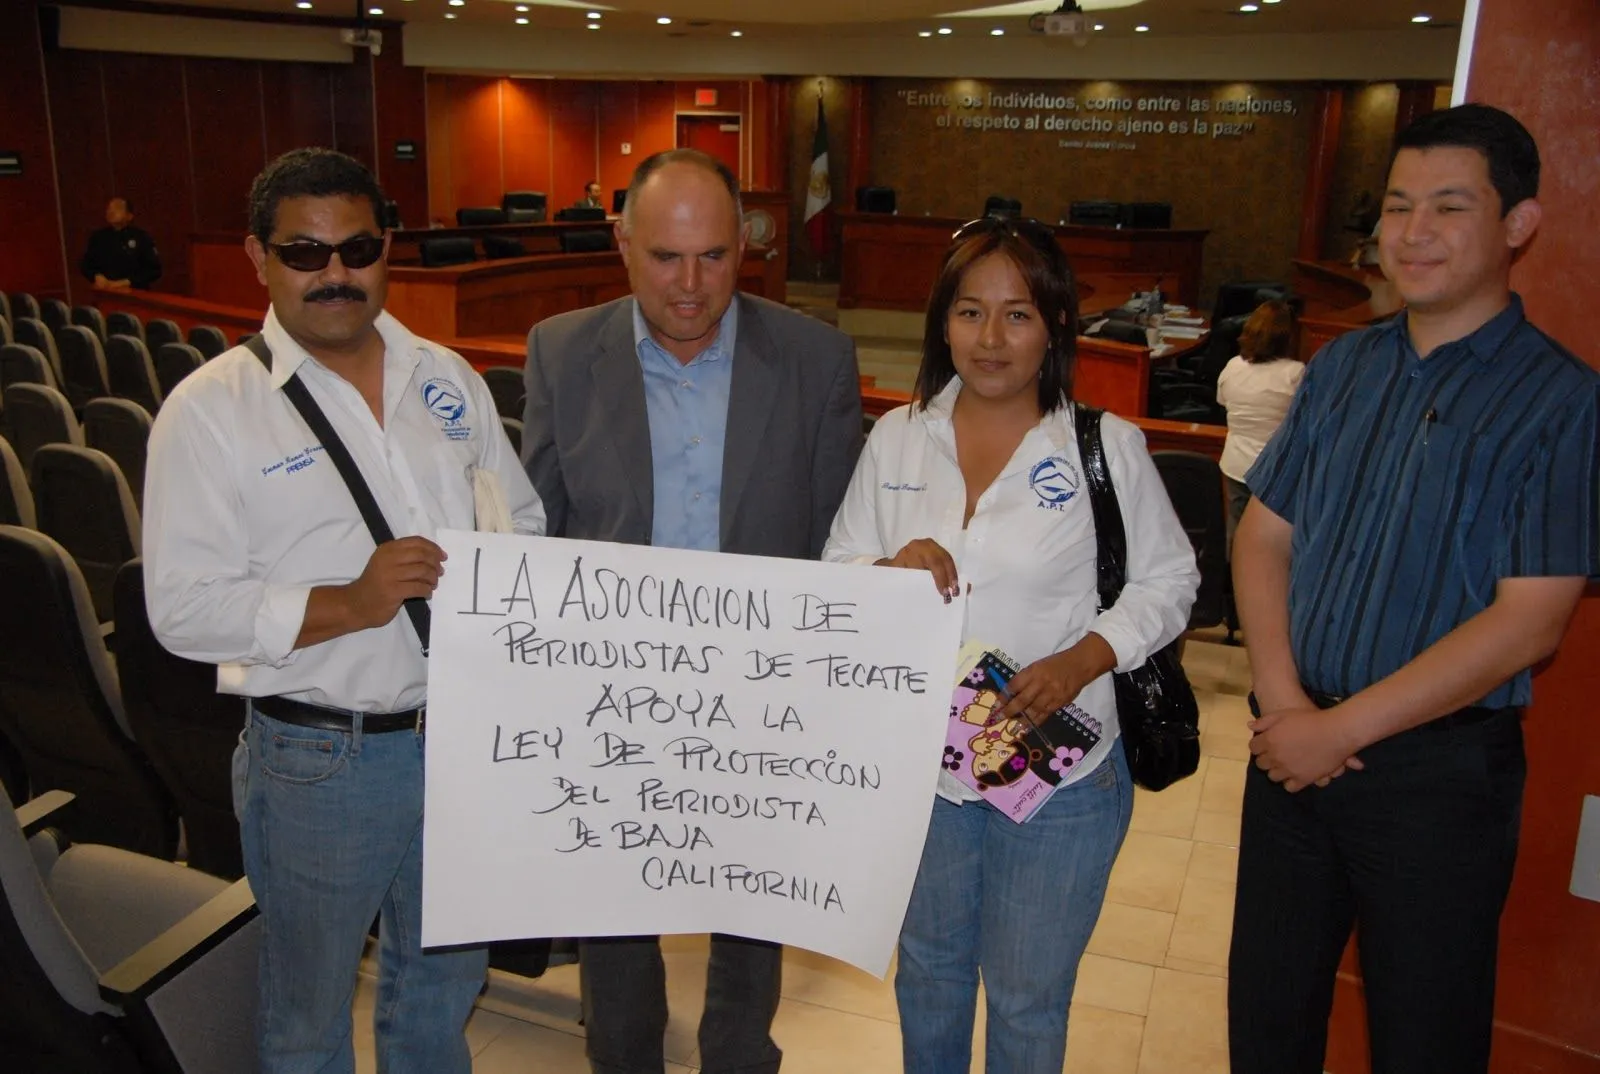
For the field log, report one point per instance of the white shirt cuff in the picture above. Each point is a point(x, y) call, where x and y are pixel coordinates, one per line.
point(1127, 645)
point(278, 622)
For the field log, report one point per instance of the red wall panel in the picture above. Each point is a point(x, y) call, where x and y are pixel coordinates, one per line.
point(574, 127)
point(30, 240)
point(618, 107)
point(299, 109)
point(398, 95)
point(657, 129)
point(82, 148)
point(150, 153)
point(476, 167)
point(525, 135)
point(353, 130)
point(227, 133)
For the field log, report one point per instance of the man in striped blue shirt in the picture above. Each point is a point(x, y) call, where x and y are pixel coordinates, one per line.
point(1422, 527)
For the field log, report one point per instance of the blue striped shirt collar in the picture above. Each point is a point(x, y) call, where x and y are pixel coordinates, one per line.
point(721, 347)
point(1487, 340)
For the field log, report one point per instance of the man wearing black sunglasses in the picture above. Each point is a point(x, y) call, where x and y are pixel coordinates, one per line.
point(258, 559)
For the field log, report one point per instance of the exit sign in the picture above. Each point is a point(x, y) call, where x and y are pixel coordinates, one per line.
point(705, 98)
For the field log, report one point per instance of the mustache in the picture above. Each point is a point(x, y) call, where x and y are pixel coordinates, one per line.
point(337, 293)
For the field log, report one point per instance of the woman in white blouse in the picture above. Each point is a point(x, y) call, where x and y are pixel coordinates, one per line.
point(979, 482)
point(1256, 387)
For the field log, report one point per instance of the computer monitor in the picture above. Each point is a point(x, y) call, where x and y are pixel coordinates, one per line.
point(1095, 213)
point(1147, 214)
point(875, 199)
point(619, 198)
point(525, 199)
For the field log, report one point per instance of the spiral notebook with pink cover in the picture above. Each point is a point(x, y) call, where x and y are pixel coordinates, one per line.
point(1013, 765)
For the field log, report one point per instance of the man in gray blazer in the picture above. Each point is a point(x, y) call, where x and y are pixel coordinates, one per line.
point(686, 416)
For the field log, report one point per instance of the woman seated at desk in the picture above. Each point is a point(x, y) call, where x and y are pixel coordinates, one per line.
point(1256, 387)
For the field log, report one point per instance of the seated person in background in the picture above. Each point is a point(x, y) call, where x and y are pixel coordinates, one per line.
point(120, 255)
point(591, 196)
point(1256, 387)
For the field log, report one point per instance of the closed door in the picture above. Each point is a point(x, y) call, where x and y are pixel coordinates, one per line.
point(716, 135)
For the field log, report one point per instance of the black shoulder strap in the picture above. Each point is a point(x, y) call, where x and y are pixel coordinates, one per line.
point(1111, 540)
point(371, 513)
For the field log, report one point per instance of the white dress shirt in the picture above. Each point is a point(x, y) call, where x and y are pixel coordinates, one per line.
point(245, 513)
point(1257, 396)
point(1028, 552)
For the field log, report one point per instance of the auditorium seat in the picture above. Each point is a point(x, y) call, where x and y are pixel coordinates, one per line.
point(60, 705)
point(24, 305)
point(174, 361)
point(5, 331)
point(480, 216)
point(121, 429)
point(186, 728)
point(5, 308)
point(55, 314)
point(91, 318)
point(32, 332)
point(1194, 485)
point(16, 499)
point(38, 415)
point(83, 365)
point(455, 250)
point(117, 962)
point(496, 247)
point(513, 428)
point(121, 323)
point(130, 372)
point(245, 338)
point(22, 364)
point(505, 384)
point(159, 332)
point(587, 241)
point(208, 340)
point(83, 501)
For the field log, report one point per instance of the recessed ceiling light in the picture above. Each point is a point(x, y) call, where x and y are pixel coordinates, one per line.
point(1422, 18)
point(449, 14)
point(663, 21)
point(592, 15)
point(458, 3)
point(1247, 8)
point(924, 33)
point(1141, 29)
point(1269, 1)
point(594, 26)
point(997, 32)
point(304, 5)
point(945, 31)
point(521, 21)
point(1099, 26)
point(374, 11)
point(735, 33)
point(522, 8)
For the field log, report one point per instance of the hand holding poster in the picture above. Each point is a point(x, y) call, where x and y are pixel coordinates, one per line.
point(626, 740)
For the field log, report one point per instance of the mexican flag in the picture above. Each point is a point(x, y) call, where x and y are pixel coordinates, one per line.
point(819, 191)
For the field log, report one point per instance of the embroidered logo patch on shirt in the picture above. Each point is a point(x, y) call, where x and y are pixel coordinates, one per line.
point(1055, 481)
point(448, 404)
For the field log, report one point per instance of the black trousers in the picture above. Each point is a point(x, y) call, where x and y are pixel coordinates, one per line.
point(1416, 852)
point(625, 1005)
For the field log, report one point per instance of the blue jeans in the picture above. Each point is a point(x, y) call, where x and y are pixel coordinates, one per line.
point(331, 823)
point(1016, 902)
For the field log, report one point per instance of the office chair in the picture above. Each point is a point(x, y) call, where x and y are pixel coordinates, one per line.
point(454, 250)
point(531, 205)
point(876, 199)
point(1000, 205)
point(1095, 213)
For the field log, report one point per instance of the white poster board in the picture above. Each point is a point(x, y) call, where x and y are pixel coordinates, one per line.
point(625, 740)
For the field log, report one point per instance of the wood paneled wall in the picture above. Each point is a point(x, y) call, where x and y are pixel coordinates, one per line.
point(489, 135)
point(30, 229)
point(1366, 134)
point(182, 137)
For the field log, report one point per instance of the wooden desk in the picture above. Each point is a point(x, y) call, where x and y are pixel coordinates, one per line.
point(1338, 299)
point(891, 262)
point(506, 298)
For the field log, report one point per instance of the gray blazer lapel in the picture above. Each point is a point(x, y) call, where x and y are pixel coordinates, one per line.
point(750, 401)
point(619, 392)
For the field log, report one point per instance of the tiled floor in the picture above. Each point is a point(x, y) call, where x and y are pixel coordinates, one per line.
point(1151, 996)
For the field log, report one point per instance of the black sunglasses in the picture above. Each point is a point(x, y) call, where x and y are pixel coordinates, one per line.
point(308, 255)
point(1026, 228)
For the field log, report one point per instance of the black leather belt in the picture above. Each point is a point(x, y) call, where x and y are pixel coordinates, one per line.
point(1466, 717)
point(302, 714)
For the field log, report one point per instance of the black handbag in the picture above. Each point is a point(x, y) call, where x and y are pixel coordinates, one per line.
point(1155, 703)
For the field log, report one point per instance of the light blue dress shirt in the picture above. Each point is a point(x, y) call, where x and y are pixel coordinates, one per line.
point(688, 409)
